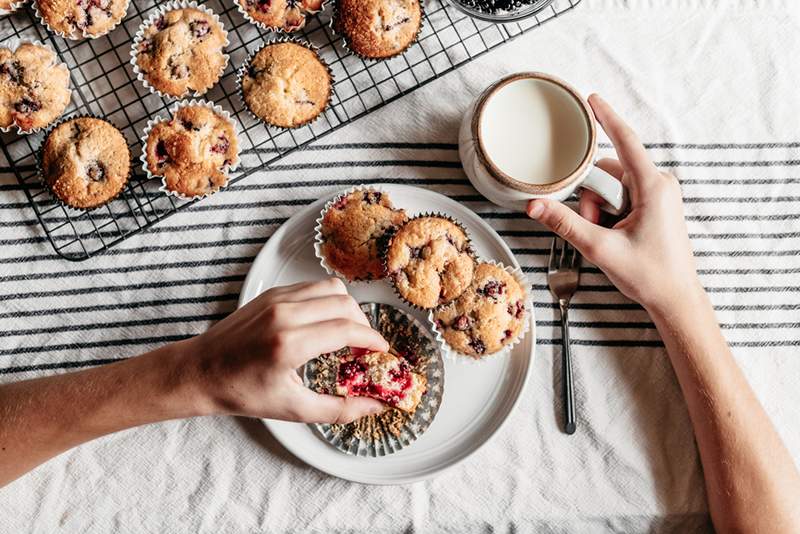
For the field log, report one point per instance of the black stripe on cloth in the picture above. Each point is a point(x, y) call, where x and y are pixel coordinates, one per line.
point(116, 324)
point(97, 344)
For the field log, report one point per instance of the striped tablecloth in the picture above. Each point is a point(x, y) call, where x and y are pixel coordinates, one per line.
point(713, 91)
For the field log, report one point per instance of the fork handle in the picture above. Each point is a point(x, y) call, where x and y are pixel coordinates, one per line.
point(566, 366)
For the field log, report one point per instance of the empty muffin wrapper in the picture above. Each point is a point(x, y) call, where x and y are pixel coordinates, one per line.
point(391, 431)
point(453, 355)
point(172, 111)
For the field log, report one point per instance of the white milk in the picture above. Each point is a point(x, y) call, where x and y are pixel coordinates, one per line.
point(534, 131)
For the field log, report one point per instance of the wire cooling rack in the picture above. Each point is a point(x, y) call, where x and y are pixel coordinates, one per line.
point(103, 84)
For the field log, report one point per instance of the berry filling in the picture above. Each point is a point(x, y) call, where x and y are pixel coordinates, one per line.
point(477, 345)
point(416, 252)
point(222, 145)
point(13, 70)
point(199, 28)
point(161, 153)
point(96, 171)
point(493, 289)
point(27, 105)
point(461, 323)
point(160, 23)
point(516, 309)
point(372, 197)
point(353, 376)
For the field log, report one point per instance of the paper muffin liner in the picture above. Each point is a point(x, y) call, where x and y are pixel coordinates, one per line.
point(137, 40)
point(469, 249)
point(13, 7)
point(83, 34)
point(319, 241)
point(13, 43)
point(172, 111)
point(333, 24)
point(246, 64)
point(391, 431)
point(40, 160)
point(453, 355)
point(277, 29)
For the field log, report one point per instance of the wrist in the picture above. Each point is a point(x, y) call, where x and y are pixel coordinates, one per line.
point(686, 298)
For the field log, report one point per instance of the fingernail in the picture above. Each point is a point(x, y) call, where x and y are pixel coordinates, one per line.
point(535, 209)
point(375, 410)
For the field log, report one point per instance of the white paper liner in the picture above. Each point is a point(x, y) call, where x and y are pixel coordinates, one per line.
point(346, 44)
point(13, 43)
point(453, 355)
point(137, 39)
point(424, 414)
point(14, 6)
point(172, 111)
point(318, 240)
point(275, 29)
point(246, 64)
point(83, 34)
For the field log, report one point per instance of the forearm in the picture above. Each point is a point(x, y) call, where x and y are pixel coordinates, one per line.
point(751, 480)
point(41, 418)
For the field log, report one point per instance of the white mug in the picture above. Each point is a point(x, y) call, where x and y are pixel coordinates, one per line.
point(501, 187)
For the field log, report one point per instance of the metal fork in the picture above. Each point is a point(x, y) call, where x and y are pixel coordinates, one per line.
point(563, 277)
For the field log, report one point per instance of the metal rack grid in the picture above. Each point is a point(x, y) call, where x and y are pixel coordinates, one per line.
point(104, 84)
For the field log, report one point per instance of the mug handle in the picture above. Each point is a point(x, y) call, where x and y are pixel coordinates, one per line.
point(609, 188)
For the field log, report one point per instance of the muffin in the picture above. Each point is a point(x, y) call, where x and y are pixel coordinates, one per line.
point(353, 231)
point(181, 51)
point(284, 15)
point(9, 6)
point(430, 261)
point(381, 376)
point(34, 87)
point(377, 29)
point(85, 162)
point(487, 317)
point(81, 18)
point(193, 151)
point(286, 84)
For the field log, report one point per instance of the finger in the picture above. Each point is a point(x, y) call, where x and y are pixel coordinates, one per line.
point(281, 315)
point(305, 291)
point(317, 408)
point(573, 228)
point(612, 167)
point(631, 152)
point(309, 341)
point(589, 206)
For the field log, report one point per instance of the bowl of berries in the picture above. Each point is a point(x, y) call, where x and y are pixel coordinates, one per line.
point(501, 11)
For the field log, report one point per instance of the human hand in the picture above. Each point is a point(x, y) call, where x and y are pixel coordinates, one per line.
point(246, 364)
point(647, 254)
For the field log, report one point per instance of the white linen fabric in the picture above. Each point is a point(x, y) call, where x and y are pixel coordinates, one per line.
point(712, 89)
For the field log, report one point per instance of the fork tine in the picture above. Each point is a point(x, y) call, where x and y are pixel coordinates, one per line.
point(576, 258)
point(564, 250)
point(552, 266)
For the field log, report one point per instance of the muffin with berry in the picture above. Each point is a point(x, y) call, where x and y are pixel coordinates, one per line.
point(85, 162)
point(487, 317)
point(352, 232)
point(282, 15)
point(181, 51)
point(82, 18)
point(429, 261)
point(378, 29)
point(286, 84)
point(193, 151)
point(34, 87)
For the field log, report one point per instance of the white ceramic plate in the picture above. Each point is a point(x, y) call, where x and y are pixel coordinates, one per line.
point(477, 398)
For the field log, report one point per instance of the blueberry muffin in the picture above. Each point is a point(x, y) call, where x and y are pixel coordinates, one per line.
point(286, 85)
point(85, 162)
point(489, 315)
point(381, 376)
point(181, 51)
point(378, 29)
point(34, 87)
point(354, 231)
point(192, 151)
point(285, 15)
point(430, 261)
point(82, 18)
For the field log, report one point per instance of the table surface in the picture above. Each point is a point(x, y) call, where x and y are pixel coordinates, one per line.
point(712, 91)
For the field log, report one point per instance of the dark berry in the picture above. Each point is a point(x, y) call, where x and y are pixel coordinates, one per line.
point(263, 5)
point(252, 71)
point(96, 171)
point(372, 197)
point(516, 309)
point(461, 323)
point(179, 71)
point(160, 23)
point(477, 345)
point(222, 145)
point(340, 204)
point(199, 28)
point(161, 152)
point(13, 70)
point(493, 288)
point(506, 335)
point(146, 46)
point(27, 105)
point(416, 252)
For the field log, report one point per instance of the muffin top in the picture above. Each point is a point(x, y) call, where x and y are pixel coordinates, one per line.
point(382, 376)
point(286, 15)
point(34, 87)
point(430, 261)
point(181, 52)
point(355, 230)
point(286, 85)
point(85, 162)
point(192, 151)
point(489, 315)
point(81, 18)
point(7, 6)
point(378, 28)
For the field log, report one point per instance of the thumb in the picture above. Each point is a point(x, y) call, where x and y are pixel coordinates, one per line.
point(320, 408)
point(562, 220)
